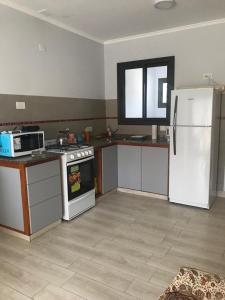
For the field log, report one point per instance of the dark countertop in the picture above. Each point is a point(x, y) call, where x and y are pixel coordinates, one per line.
point(28, 160)
point(126, 140)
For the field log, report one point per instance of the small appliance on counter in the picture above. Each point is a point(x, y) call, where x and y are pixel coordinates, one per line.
point(17, 143)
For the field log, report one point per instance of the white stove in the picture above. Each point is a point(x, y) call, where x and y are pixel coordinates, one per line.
point(77, 164)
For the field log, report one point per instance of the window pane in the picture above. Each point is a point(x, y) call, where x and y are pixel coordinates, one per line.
point(134, 93)
point(164, 98)
point(153, 108)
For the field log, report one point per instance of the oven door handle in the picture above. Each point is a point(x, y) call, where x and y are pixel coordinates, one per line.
point(75, 162)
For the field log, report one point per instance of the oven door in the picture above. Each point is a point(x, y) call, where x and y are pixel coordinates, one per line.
point(80, 177)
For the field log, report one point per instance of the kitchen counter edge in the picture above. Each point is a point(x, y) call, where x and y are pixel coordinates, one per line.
point(28, 161)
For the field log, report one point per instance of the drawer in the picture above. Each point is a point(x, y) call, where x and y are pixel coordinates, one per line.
point(43, 171)
point(43, 190)
point(45, 213)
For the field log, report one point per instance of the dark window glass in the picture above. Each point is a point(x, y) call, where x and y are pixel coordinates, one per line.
point(144, 91)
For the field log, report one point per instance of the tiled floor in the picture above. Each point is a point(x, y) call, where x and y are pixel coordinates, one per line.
point(127, 247)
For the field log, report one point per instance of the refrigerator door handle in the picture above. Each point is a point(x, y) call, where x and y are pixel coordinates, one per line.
point(175, 127)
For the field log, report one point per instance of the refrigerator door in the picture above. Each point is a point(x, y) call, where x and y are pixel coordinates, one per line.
point(194, 107)
point(190, 167)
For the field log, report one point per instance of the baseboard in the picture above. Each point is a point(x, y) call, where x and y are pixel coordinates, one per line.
point(15, 234)
point(45, 229)
point(145, 194)
point(31, 237)
point(221, 194)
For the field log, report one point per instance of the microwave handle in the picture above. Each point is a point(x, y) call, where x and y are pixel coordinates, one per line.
point(75, 162)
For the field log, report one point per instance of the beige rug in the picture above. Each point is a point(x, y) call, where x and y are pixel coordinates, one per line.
point(193, 284)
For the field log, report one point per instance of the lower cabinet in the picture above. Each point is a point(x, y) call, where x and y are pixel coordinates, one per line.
point(129, 167)
point(109, 168)
point(11, 206)
point(154, 169)
point(40, 184)
point(138, 168)
point(44, 194)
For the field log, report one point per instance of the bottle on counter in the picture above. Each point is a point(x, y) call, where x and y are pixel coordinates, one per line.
point(109, 133)
point(154, 132)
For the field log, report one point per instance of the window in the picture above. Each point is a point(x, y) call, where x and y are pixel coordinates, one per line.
point(162, 92)
point(144, 91)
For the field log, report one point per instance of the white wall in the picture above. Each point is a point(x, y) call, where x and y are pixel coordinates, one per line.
point(72, 66)
point(196, 51)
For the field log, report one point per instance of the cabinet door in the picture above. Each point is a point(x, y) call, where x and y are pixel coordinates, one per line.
point(129, 167)
point(44, 194)
point(155, 170)
point(11, 208)
point(45, 213)
point(109, 169)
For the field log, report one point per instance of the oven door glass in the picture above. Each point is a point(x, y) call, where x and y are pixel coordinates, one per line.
point(80, 178)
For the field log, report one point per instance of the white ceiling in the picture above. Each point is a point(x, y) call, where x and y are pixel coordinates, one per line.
point(111, 19)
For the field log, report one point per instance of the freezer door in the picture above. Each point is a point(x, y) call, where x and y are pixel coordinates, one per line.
point(194, 107)
point(189, 173)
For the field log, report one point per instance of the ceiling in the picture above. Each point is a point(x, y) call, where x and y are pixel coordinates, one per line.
point(104, 20)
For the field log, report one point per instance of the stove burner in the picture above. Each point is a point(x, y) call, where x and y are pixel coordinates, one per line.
point(65, 148)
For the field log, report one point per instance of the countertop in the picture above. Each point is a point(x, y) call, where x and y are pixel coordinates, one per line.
point(126, 140)
point(28, 160)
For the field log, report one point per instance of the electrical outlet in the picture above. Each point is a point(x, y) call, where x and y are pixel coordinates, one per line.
point(207, 76)
point(20, 105)
point(89, 128)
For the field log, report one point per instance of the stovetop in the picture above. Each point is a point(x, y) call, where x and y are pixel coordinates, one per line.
point(72, 152)
point(65, 148)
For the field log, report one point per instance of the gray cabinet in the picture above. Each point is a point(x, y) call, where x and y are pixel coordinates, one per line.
point(44, 194)
point(11, 208)
point(155, 170)
point(129, 167)
point(109, 168)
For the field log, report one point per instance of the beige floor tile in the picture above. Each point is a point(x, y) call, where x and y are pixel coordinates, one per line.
point(127, 247)
point(197, 260)
point(22, 281)
point(52, 253)
point(127, 243)
point(78, 234)
point(123, 263)
point(7, 293)
point(162, 278)
point(45, 269)
point(92, 290)
point(107, 275)
point(11, 255)
point(144, 291)
point(193, 244)
point(52, 292)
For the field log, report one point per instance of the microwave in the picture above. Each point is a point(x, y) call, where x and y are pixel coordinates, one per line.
point(22, 143)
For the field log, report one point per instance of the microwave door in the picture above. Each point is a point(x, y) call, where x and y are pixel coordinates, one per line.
point(28, 142)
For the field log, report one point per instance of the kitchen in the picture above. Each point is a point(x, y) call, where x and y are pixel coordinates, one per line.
point(56, 80)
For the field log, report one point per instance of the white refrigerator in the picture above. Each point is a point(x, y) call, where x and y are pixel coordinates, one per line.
point(194, 143)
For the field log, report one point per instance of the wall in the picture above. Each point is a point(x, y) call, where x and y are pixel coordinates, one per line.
point(196, 51)
point(67, 68)
point(59, 83)
point(52, 114)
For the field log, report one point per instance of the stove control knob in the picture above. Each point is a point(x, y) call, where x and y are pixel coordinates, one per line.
point(82, 154)
point(90, 152)
point(86, 152)
point(72, 156)
point(78, 155)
